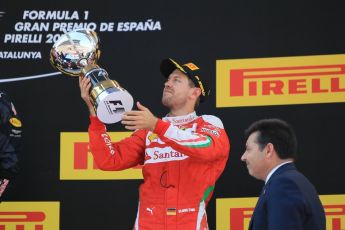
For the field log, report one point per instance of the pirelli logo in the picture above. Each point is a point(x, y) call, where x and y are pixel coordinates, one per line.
point(235, 213)
point(29, 216)
point(280, 81)
point(77, 163)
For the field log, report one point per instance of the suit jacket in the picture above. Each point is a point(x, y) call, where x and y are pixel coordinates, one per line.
point(288, 201)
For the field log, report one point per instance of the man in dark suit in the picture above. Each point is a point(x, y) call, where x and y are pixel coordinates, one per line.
point(288, 199)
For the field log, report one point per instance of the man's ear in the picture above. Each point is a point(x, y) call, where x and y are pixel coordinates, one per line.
point(196, 92)
point(270, 151)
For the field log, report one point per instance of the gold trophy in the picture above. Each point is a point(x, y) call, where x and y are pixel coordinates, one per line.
point(76, 54)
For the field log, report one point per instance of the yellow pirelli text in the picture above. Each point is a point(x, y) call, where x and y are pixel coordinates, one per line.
point(280, 81)
point(30, 215)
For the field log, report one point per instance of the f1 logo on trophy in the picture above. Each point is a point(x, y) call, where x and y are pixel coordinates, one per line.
point(76, 54)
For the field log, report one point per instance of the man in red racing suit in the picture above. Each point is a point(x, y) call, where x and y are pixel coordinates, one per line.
point(182, 155)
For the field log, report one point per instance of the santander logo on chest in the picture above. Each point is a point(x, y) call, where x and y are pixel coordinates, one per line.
point(158, 151)
point(157, 155)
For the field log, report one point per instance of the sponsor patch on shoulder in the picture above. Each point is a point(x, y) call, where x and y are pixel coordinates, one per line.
point(213, 132)
point(15, 122)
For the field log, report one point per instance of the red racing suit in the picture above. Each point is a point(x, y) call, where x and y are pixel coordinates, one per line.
point(182, 159)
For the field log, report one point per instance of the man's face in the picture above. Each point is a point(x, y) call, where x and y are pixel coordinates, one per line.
point(176, 90)
point(255, 158)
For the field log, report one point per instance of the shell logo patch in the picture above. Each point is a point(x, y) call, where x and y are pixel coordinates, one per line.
point(152, 136)
point(15, 122)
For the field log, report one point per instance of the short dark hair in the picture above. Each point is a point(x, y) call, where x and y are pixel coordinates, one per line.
point(277, 132)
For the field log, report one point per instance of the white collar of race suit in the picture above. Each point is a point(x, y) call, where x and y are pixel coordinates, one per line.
point(180, 120)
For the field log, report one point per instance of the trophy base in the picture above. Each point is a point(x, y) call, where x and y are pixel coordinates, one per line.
point(112, 103)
